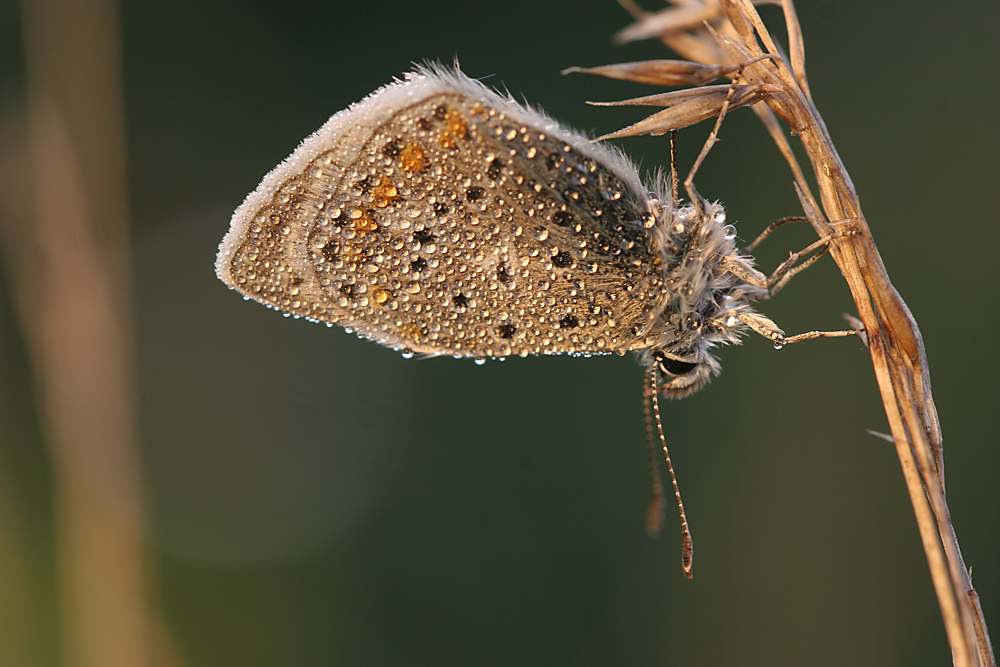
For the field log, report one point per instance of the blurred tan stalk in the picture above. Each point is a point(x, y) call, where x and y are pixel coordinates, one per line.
point(715, 33)
point(67, 258)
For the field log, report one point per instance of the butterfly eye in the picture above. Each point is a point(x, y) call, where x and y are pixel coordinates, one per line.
point(674, 366)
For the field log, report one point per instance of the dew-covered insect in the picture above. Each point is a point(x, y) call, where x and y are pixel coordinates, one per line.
point(439, 218)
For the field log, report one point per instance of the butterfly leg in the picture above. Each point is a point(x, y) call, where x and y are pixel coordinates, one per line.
point(790, 267)
point(770, 228)
point(768, 329)
point(713, 138)
point(784, 272)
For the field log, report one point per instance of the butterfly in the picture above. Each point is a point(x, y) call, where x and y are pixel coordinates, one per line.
point(438, 217)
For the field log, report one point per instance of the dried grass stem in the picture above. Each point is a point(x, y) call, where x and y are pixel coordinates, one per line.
point(732, 34)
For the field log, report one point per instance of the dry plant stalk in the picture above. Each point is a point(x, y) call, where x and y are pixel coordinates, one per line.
point(728, 38)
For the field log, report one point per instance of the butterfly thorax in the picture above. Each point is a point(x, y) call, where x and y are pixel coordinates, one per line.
point(705, 303)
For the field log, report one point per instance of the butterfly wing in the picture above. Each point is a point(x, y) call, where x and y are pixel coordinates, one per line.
point(440, 218)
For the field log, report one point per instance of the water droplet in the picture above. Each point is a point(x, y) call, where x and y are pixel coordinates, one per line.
point(692, 322)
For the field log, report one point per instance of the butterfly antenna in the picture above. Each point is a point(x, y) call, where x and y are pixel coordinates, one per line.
point(657, 502)
point(673, 169)
point(687, 547)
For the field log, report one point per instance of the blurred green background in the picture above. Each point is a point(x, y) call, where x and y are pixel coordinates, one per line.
point(314, 499)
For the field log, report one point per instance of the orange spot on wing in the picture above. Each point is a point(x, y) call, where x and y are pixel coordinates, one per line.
point(384, 192)
point(361, 222)
point(412, 331)
point(455, 128)
point(412, 159)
